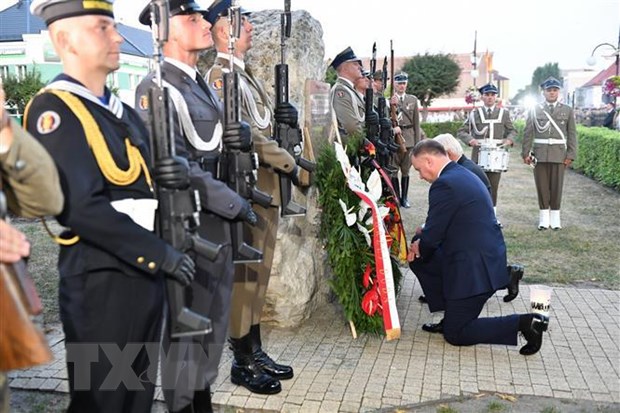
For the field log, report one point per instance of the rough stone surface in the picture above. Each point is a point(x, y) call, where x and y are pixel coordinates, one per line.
point(298, 279)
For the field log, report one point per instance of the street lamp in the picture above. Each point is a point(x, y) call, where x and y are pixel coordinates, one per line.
point(616, 52)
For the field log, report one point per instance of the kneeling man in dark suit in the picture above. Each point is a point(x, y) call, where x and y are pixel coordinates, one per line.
point(459, 256)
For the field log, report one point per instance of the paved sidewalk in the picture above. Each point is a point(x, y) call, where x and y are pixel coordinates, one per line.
point(580, 359)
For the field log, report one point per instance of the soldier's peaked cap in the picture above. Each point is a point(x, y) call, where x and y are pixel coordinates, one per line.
point(378, 75)
point(347, 55)
point(401, 77)
point(176, 7)
point(488, 88)
point(551, 82)
point(51, 10)
point(219, 8)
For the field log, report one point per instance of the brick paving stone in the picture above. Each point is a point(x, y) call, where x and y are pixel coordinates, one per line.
point(328, 406)
point(49, 384)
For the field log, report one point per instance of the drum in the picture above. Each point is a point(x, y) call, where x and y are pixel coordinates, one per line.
point(493, 159)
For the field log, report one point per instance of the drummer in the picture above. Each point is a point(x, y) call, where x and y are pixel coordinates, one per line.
point(488, 126)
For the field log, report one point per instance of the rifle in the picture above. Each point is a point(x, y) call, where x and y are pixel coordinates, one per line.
point(398, 137)
point(241, 166)
point(372, 131)
point(22, 344)
point(288, 137)
point(386, 134)
point(178, 217)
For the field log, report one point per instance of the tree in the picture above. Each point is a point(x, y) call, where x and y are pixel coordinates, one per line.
point(541, 73)
point(20, 91)
point(431, 76)
point(331, 76)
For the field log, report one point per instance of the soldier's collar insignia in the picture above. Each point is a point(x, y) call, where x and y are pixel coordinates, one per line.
point(340, 94)
point(217, 84)
point(143, 102)
point(48, 122)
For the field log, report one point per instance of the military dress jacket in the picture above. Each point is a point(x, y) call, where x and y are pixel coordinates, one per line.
point(409, 119)
point(256, 109)
point(550, 141)
point(203, 149)
point(348, 106)
point(29, 177)
point(480, 126)
point(108, 239)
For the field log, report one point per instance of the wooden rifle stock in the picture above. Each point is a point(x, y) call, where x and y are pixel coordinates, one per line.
point(22, 344)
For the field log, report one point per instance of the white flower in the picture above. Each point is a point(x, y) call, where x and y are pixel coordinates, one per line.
point(349, 217)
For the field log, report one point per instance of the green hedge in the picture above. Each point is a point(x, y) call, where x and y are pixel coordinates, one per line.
point(598, 154)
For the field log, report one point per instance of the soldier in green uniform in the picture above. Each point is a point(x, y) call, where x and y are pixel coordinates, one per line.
point(408, 107)
point(550, 143)
point(252, 367)
point(347, 103)
point(490, 125)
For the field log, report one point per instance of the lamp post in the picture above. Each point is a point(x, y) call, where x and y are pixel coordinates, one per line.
point(474, 59)
point(616, 52)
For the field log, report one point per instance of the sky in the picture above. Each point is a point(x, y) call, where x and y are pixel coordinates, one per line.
point(522, 34)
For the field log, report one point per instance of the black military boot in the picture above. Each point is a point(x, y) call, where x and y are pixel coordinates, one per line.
point(396, 186)
point(202, 401)
point(404, 181)
point(248, 373)
point(279, 371)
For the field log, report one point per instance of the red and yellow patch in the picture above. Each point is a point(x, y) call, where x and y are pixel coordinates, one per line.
point(48, 122)
point(143, 102)
point(218, 84)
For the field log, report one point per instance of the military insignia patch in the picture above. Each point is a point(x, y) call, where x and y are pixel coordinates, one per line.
point(143, 103)
point(340, 94)
point(217, 85)
point(48, 122)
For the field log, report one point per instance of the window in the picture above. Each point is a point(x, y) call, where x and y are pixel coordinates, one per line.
point(22, 71)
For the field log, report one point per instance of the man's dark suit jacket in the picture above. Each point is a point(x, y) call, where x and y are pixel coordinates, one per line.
point(461, 222)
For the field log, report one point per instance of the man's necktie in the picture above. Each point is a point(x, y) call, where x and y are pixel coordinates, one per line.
point(201, 82)
point(550, 109)
point(203, 85)
point(488, 113)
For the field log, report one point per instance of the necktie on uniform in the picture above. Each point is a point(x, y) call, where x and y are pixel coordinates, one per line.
point(203, 85)
point(550, 109)
point(488, 113)
point(201, 82)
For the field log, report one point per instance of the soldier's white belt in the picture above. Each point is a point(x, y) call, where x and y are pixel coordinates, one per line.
point(141, 211)
point(550, 141)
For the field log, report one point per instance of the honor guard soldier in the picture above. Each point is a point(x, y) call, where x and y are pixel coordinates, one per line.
point(489, 129)
point(346, 101)
point(550, 144)
point(251, 366)
point(198, 135)
point(111, 264)
point(408, 107)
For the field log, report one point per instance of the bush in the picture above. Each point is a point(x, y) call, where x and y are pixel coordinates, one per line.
point(20, 91)
point(598, 155)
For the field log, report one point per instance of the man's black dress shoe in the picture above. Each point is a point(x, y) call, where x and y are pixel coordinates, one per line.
point(515, 271)
point(422, 299)
point(535, 325)
point(433, 327)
